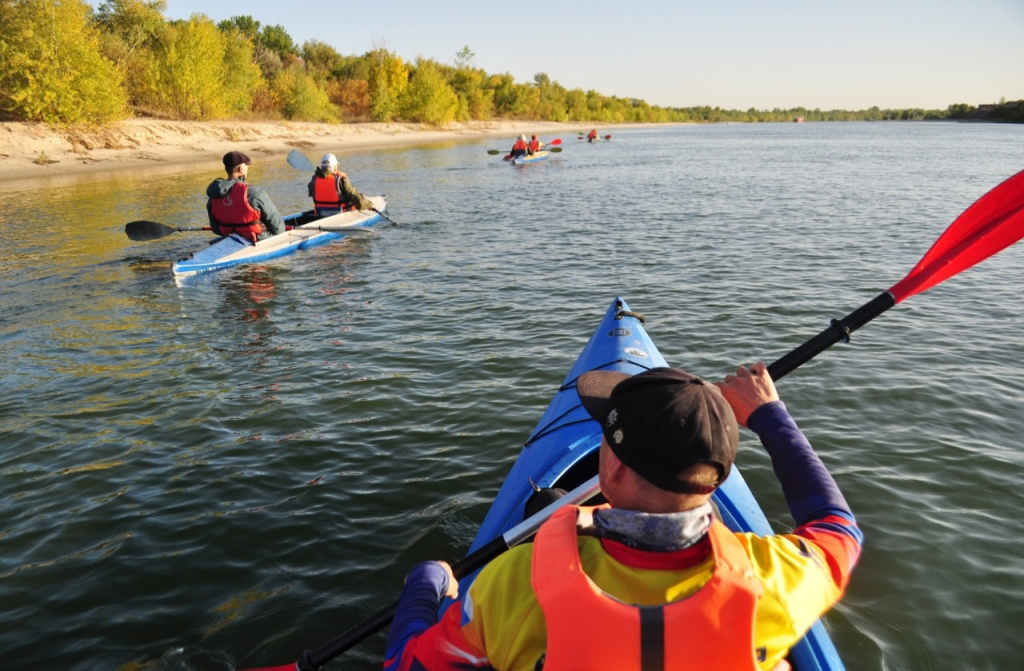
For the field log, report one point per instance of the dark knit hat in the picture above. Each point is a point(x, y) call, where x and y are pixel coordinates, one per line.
point(233, 158)
point(661, 422)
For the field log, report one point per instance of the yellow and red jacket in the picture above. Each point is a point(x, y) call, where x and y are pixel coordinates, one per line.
point(534, 145)
point(499, 625)
point(711, 629)
point(234, 214)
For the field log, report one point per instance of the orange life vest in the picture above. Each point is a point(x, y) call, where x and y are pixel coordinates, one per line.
point(534, 145)
point(325, 193)
point(520, 145)
point(234, 214)
point(587, 629)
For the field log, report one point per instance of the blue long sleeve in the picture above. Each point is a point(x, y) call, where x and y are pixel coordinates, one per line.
point(809, 488)
point(417, 607)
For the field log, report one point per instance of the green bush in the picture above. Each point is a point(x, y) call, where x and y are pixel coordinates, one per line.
point(387, 83)
point(301, 99)
point(429, 98)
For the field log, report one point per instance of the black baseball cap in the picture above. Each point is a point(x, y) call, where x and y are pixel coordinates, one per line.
point(661, 422)
point(233, 158)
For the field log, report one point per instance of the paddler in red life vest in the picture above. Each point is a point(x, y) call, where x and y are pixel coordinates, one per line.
point(534, 145)
point(652, 579)
point(592, 136)
point(331, 190)
point(520, 147)
point(237, 207)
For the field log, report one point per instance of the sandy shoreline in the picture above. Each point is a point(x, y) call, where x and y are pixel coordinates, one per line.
point(39, 151)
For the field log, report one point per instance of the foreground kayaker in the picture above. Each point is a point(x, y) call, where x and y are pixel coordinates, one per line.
point(714, 598)
point(234, 206)
point(331, 190)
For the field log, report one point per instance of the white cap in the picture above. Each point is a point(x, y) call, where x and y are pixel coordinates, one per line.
point(522, 136)
point(329, 161)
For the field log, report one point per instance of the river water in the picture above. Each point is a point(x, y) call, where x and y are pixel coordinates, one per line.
point(223, 473)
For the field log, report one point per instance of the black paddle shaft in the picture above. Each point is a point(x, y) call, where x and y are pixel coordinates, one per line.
point(838, 330)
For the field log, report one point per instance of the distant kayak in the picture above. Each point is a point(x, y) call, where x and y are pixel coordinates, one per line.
point(309, 231)
point(539, 155)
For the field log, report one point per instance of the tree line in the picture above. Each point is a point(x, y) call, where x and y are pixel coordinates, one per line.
point(62, 62)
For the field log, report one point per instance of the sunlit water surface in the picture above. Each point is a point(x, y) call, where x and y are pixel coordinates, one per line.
point(224, 473)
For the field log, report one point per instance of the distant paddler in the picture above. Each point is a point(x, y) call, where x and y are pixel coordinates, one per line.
point(331, 190)
point(520, 148)
point(534, 145)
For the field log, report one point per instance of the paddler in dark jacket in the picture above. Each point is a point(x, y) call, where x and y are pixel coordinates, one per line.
point(331, 190)
point(234, 206)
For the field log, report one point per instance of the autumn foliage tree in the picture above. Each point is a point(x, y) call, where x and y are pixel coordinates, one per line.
point(352, 96)
point(299, 97)
point(51, 65)
point(61, 62)
point(388, 79)
point(199, 72)
point(128, 31)
point(428, 97)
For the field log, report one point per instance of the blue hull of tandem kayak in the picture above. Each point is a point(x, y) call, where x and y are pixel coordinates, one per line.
point(562, 452)
point(234, 250)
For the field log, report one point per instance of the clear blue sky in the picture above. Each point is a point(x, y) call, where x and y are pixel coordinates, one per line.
point(734, 54)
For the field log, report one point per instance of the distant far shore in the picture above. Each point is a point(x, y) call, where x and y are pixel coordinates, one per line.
point(39, 151)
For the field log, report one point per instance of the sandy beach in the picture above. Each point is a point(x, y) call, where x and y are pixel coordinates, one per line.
point(35, 150)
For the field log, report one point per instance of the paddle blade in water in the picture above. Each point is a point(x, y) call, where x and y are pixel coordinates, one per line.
point(147, 230)
point(493, 152)
point(993, 223)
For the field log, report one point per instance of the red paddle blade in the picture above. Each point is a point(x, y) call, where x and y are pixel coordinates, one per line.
point(557, 140)
point(993, 223)
point(287, 667)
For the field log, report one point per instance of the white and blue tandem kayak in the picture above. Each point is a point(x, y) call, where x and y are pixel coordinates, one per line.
point(562, 452)
point(305, 230)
